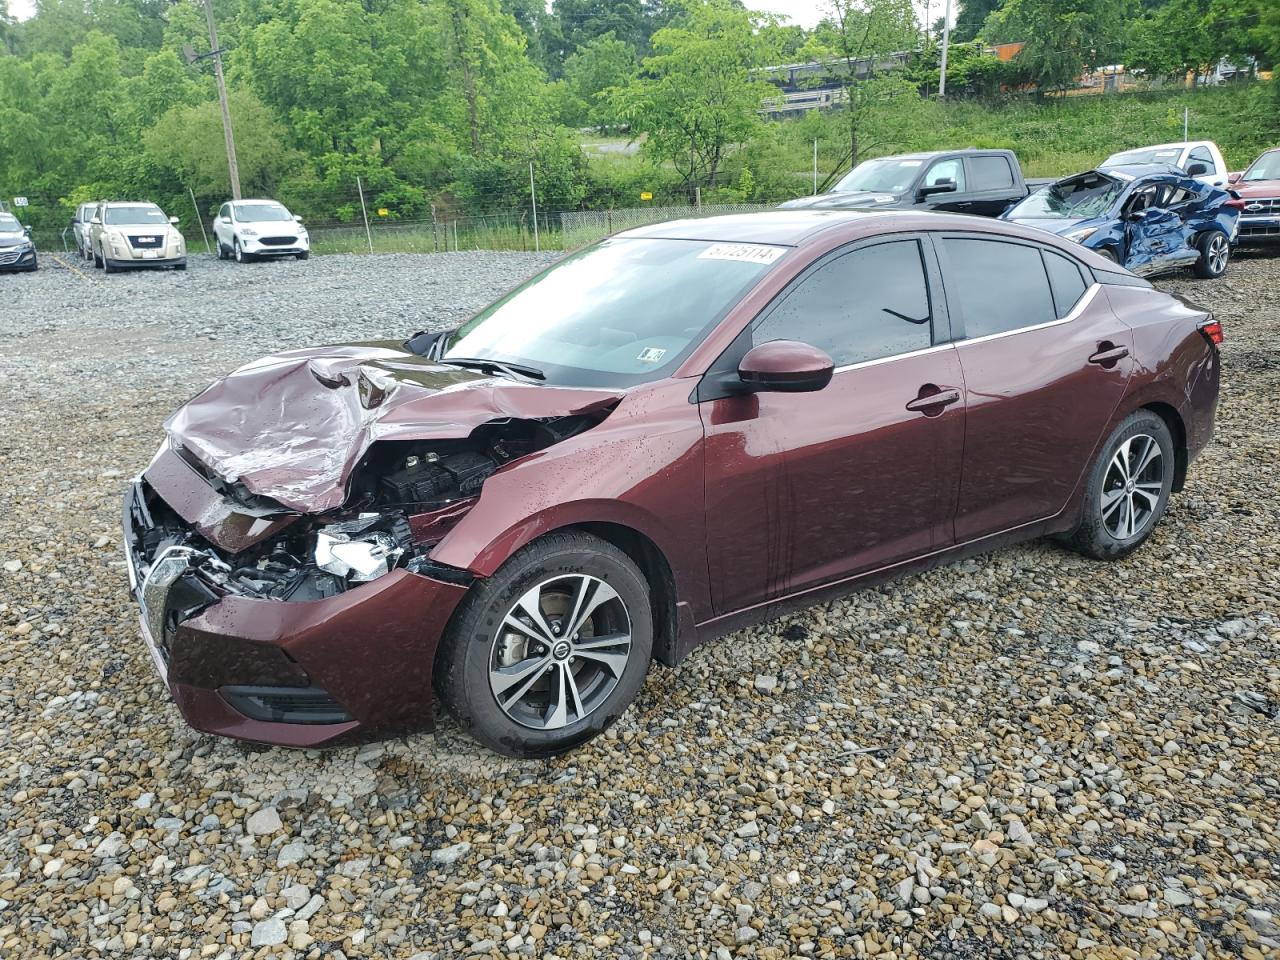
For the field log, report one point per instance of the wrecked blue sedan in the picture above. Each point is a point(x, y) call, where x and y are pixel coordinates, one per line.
point(1149, 218)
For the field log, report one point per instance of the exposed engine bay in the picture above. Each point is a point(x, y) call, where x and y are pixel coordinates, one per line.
point(402, 498)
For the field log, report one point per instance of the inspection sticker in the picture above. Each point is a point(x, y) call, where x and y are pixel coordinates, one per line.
point(651, 354)
point(745, 252)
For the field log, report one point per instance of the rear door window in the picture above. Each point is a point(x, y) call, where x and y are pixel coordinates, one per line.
point(867, 304)
point(990, 173)
point(998, 286)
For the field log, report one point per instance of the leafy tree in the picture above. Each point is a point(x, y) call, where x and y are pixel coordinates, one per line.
point(188, 141)
point(581, 21)
point(1062, 37)
point(970, 18)
point(696, 96)
point(1171, 41)
point(601, 64)
point(853, 36)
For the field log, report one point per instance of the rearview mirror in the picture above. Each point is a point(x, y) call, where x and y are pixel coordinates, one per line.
point(945, 185)
point(1197, 170)
point(785, 366)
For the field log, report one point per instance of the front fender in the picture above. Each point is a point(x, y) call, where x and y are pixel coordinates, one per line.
point(641, 468)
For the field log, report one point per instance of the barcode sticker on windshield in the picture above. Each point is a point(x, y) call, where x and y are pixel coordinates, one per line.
point(745, 252)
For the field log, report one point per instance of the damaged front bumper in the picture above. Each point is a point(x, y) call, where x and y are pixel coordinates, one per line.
point(293, 672)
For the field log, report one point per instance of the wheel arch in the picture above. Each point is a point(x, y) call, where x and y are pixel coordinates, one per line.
point(656, 569)
point(1178, 430)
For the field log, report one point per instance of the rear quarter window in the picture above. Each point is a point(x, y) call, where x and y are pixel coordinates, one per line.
point(1066, 281)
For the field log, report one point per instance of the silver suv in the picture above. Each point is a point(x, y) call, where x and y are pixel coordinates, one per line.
point(135, 235)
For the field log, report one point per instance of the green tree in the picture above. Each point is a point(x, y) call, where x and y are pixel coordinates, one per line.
point(1172, 40)
point(853, 37)
point(970, 18)
point(188, 141)
point(1062, 37)
point(696, 96)
point(599, 65)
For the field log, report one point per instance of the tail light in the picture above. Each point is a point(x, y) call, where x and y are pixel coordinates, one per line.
point(1212, 330)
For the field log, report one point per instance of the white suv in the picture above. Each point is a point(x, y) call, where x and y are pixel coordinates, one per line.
point(248, 229)
point(1200, 158)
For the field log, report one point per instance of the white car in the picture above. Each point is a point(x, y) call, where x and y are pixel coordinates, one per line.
point(249, 229)
point(129, 234)
point(1199, 158)
point(80, 227)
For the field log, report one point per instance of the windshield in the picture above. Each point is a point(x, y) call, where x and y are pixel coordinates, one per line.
point(888, 175)
point(1266, 167)
point(262, 212)
point(125, 216)
point(1149, 155)
point(1076, 198)
point(622, 312)
point(9, 223)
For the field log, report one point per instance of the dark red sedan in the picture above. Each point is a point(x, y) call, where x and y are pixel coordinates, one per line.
point(661, 438)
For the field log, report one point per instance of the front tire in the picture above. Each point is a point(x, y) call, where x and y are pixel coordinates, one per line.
point(549, 651)
point(238, 252)
point(1215, 254)
point(304, 255)
point(1128, 489)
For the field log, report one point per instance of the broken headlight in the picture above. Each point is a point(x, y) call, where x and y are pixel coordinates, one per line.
point(356, 552)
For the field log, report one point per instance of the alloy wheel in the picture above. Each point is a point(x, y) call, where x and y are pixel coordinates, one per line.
point(1218, 254)
point(1132, 486)
point(560, 651)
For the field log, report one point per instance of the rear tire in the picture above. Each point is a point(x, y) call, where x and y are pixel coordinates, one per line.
point(560, 682)
point(97, 260)
point(1128, 489)
point(1215, 254)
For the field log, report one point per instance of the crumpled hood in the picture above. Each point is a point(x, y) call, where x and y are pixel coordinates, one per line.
point(293, 426)
point(840, 201)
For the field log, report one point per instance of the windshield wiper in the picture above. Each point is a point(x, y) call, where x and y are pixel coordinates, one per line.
point(515, 371)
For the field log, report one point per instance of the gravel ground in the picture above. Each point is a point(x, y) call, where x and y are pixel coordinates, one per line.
point(1026, 755)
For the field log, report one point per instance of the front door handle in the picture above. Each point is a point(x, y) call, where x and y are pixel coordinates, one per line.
point(938, 398)
point(1108, 355)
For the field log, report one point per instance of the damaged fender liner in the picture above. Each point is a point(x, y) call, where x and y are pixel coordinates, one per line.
point(330, 405)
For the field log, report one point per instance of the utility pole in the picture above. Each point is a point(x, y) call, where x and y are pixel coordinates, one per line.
point(232, 167)
point(946, 39)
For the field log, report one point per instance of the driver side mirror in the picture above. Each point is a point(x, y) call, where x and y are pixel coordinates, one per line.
point(96, 220)
point(1197, 170)
point(224, 219)
point(297, 218)
point(174, 221)
point(943, 185)
point(1234, 177)
point(785, 366)
point(27, 231)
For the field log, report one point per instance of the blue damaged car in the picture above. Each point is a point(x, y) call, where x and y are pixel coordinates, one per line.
point(1149, 219)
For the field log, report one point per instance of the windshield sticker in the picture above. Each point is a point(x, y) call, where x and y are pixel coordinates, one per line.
point(744, 252)
point(651, 354)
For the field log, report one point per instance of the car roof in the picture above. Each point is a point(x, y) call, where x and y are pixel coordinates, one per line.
point(130, 203)
point(1134, 171)
point(794, 228)
point(253, 200)
point(1180, 145)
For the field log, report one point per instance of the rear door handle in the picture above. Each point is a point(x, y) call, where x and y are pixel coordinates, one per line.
point(943, 398)
point(1109, 355)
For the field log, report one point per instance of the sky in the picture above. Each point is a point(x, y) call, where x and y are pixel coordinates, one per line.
point(804, 12)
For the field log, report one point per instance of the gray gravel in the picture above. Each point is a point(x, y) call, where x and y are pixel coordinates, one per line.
point(1025, 755)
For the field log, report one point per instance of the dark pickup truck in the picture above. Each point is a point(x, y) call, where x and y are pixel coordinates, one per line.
point(984, 182)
